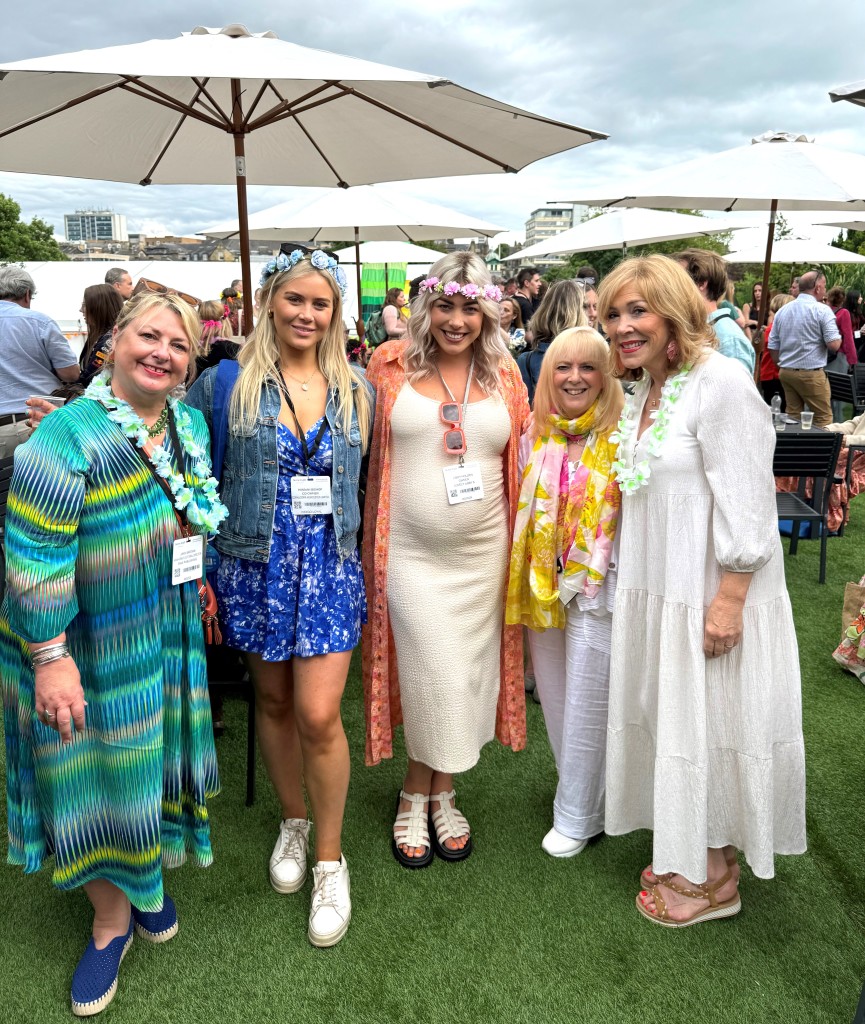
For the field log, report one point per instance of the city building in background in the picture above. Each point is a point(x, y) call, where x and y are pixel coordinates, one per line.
point(95, 226)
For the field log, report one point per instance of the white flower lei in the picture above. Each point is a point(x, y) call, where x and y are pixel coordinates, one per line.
point(133, 426)
point(634, 475)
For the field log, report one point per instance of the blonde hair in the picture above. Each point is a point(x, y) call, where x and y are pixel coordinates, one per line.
point(260, 357)
point(560, 308)
point(145, 303)
point(670, 293)
point(490, 350)
point(579, 344)
point(779, 300)
point(214, 310)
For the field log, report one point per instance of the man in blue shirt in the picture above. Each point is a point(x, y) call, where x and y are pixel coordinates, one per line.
point(34, 356)
point(708, 271)
point(803, 335)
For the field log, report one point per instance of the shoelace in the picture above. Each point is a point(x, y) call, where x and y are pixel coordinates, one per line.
point(293, 843)
point(324, 894)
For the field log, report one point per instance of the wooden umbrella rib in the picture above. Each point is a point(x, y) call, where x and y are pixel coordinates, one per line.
point(341, 183)
point(287, 108)
point(255, 103)
point(68, 105)
point(214, 106)
point(149, 92)
point(148, 178)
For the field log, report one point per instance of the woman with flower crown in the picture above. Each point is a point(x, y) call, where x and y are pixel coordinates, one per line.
point(294, 419)
point(109, 743)
point(440, 505)
point(563, 574)
point(704, 742)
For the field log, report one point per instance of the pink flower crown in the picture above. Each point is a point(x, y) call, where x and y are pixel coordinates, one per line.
point(469, 291)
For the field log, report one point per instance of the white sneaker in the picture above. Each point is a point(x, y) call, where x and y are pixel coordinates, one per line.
point(330, 912)
point(288, 860)
point(557, 845)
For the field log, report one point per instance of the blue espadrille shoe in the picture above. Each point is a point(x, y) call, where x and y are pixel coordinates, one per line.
point(95, 980)
point(158, 927)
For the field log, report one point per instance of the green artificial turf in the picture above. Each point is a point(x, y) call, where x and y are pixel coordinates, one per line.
point(510, 935)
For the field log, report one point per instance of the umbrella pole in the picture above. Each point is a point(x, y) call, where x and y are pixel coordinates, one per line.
point(359, 322)
point(764, 295)
point(242, 208)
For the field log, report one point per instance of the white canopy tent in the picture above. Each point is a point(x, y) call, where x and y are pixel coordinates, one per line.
point(797, 250)
point(620, 228)
point(216, 106)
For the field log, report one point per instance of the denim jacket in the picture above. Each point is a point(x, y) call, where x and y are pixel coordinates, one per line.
point(251, 470)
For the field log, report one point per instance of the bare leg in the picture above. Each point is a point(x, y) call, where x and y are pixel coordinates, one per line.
point(111, 911)
point(276, 729)
point(318, 687)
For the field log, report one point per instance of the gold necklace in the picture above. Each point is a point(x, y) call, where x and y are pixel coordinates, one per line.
point(303, 383)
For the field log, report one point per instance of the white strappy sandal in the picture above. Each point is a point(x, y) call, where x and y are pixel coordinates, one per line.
point(448, 823)
point(411, 829)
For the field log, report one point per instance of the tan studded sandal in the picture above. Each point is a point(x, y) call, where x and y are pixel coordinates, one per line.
point(648, 878)
point(410, 829)
point(715, 911)
point(447, 823)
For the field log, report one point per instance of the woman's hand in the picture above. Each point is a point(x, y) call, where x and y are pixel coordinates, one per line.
point(39, 409)
point(60, 697)
point(723, 629)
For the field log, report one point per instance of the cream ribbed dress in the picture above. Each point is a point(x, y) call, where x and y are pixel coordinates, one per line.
point(446, 581)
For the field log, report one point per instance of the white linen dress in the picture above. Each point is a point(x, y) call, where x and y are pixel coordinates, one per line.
point(705, 752)
point(446, 573)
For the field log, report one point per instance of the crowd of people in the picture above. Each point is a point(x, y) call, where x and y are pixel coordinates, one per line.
point(586, 496)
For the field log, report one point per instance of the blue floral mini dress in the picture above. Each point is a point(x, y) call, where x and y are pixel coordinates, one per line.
point(302, 602)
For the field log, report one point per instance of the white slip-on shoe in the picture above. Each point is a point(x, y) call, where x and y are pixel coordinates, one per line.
point(288, 860)
point(330, 912)
point(557, 845)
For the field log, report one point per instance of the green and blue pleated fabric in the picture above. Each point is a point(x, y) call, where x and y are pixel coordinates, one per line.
point(89, 537)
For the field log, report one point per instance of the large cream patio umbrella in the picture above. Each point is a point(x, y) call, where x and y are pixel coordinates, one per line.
point(620, 228)
point(777, 171)
point(216, 106)
point(365, 213)
point(797, 250)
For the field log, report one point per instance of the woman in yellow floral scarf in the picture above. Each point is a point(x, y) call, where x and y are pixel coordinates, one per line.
point(562, 576)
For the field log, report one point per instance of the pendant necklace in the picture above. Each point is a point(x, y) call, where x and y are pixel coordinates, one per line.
point(304, 384)
point(159, 425)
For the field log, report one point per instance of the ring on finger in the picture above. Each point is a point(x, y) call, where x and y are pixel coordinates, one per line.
point(48, 716)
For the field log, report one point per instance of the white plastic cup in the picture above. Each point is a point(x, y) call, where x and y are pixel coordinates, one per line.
point(807, 419)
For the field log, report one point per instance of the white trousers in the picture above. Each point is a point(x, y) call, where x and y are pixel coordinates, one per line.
point(572, 671)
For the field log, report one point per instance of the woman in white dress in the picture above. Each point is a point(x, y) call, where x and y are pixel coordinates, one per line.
point(704, 741)
point(440, 506)
point(563, 576)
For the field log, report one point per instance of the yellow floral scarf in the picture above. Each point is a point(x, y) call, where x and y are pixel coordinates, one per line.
point(555, 556)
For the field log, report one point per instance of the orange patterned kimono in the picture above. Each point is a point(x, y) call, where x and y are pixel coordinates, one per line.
point(386, 372)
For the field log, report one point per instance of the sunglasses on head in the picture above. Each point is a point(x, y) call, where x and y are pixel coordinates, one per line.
point(289, 247)
point(145, 285)
point(451, 413)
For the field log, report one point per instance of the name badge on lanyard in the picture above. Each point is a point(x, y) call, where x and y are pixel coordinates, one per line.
point(310, 495)
point(463, 483)
point(187, 562)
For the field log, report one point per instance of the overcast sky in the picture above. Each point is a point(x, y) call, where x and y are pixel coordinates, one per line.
point(667, 79)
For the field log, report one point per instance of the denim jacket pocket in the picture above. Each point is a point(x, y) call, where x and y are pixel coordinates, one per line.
point(244, 452)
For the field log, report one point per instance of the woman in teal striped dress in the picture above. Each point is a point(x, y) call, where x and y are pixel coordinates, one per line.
point(109, 745)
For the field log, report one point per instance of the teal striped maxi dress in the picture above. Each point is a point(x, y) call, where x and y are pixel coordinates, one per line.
point(89, 538)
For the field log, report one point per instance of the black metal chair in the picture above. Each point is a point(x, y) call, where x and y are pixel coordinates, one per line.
point(849, 387)
point(811, 455)
point(5, 479)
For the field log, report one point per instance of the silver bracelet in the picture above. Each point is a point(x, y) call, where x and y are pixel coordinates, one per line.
point(53, 652)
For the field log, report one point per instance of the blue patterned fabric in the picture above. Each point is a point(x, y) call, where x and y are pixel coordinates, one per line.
point(302, 601)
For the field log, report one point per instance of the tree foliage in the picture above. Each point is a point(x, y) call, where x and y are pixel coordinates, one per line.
point(20, 241)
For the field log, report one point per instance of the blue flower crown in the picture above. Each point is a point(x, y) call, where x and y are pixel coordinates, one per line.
point(317, 257)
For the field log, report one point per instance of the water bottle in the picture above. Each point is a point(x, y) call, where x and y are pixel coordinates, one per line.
point(776, 409)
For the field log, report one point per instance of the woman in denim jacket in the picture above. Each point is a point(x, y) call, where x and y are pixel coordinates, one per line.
point(290, 582)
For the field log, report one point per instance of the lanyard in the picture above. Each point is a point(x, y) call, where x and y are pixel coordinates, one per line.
point(180, 455)
point(307, 451)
